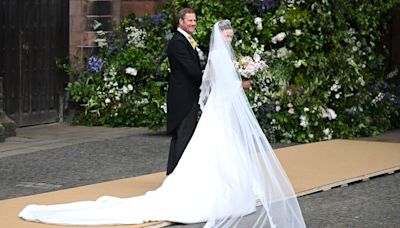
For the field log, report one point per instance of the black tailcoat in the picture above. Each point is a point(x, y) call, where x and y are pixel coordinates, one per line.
point(184, 80)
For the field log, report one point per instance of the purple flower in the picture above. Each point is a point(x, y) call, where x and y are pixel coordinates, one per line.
point(270, 4)
point(261, 6)
point(158, 19)
point(111, 50)
point(95, 64)
point(386, 85)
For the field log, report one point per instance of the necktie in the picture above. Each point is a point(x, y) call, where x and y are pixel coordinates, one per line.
point(192, 42)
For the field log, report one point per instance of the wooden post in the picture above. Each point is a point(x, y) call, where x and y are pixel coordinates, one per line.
point(7, 125)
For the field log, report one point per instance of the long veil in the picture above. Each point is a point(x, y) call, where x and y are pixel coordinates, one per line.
point(255, 171)
point(226, 168)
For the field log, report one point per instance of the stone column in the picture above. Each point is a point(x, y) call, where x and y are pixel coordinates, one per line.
point(7, 125)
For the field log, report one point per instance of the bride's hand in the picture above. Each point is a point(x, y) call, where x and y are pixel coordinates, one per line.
point(246, 84)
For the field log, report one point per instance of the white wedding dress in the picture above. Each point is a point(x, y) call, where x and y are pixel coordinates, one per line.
point(227, 166)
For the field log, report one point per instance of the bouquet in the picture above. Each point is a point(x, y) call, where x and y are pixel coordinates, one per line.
point(248, 67)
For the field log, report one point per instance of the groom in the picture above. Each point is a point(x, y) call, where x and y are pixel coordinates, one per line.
point(183, 87)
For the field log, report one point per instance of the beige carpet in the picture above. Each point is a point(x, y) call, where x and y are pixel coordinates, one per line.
point(311, 168)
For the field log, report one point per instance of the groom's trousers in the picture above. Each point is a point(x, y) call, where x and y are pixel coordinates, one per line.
point(181, 137)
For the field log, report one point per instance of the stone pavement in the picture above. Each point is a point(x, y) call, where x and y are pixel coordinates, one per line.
point(58, 156)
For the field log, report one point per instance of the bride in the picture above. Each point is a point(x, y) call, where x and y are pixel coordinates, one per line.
point(227, 169)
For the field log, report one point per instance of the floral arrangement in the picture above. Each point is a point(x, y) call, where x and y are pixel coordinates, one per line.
point(249, 67)
point(124, 82)
point(304, 87)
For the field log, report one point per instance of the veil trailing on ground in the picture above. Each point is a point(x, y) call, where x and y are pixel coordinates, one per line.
point(254, 172)
point(227, 167)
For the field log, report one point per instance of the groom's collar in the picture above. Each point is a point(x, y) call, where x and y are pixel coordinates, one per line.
point(183, 33)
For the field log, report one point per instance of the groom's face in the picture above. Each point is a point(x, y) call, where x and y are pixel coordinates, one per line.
point(188, 23)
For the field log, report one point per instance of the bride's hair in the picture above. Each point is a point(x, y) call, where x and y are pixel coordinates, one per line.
point(224, 25)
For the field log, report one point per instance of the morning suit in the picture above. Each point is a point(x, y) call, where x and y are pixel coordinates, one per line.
point(182, 96)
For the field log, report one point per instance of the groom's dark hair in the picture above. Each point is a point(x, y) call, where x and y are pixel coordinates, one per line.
point(183, 12)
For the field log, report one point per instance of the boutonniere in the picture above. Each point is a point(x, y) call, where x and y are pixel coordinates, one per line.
point(202, 56)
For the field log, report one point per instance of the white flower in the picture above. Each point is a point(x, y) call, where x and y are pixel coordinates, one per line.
point(101, 42)
point(378, 98)
point(290, 105)
point(168, 35)
point(300, 62)
point(96, 25)
point(200, 53)
point(328, 113)
point(130, 70)
point(278, 37)
point(311, 136)
point(164, 107)
point(125, 89)
point(136, 37)
point(282, 19)
point(303, 121)
point(112, 71)
point(328, 133)
point(335, 87)
point(258, 23)
point(130, 87)
point(306, 109)
point(298, 32)
point(331, 114)
point(107, 100)
point(291, 111)
point(361, 81)
point(337, 96)
point(282, 53)
point(277, 108)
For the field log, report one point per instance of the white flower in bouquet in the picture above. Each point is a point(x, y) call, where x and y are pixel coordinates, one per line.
point(248, 67)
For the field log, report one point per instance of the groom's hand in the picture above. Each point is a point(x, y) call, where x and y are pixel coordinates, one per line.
point(246, 84)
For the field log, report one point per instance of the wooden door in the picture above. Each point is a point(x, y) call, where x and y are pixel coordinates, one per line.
point(34, 34)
